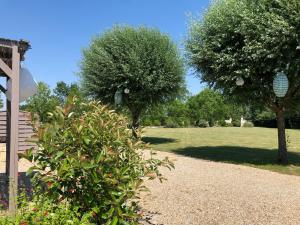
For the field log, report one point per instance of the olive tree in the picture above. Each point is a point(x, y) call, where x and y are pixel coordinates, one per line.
point(252, 40)
point(141, 61)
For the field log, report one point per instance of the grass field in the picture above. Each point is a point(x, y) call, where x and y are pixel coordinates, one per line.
point(255, 147)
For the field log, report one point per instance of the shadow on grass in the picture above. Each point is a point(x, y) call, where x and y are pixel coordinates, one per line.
point(157, 140)
point(237, 155)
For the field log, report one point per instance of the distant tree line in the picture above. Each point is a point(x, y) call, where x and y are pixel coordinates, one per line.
point(45, 100)
point(208, 108)
point(212, 108)
point(205, 109)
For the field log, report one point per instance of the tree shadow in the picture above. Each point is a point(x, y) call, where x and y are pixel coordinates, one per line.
point(158, 140)
point(237, 155)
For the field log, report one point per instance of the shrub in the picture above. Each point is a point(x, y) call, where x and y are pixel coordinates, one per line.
point(175, 122)
point(222, 123)
point(146, 122)
point(42, 211)
point(248, 124)
point(236, 123)
point(88, 158)
point(202, 123)
point(185, 122)
point(156, 122)
point(171, 123)
point(228, 125)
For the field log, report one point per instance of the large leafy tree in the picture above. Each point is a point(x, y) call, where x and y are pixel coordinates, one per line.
point(142, 60)
point(63, 91)
point(253, 40)
point(41, 103)
point(208, 105)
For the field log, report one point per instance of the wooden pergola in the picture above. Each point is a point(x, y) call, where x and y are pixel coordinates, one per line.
point(11, 54)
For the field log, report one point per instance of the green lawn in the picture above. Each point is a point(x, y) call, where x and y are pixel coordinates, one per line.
point(255, 147)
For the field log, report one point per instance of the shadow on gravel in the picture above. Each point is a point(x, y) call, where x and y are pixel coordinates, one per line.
point(237, 155)
point(148, 218)
point(157, 140)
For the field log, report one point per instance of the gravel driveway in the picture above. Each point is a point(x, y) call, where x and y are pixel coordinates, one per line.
point(203, 192)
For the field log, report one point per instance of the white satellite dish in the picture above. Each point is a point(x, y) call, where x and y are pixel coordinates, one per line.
point(28, 86)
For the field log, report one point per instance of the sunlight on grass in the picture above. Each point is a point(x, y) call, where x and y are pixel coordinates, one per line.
point(255, 147)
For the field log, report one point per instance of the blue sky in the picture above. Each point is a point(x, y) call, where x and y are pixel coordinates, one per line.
point(59, 29)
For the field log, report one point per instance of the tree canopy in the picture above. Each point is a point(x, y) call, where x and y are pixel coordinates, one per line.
point(249, 39)
point(142, 60)
point(208, 105)
point(253, 40)
point(41, 103)
point(45, 100)
point(62, 91)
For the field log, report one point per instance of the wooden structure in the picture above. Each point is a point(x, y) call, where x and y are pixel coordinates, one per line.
point(25, 130)
point(11, 54)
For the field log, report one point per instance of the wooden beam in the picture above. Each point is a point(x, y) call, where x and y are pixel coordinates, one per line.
point(2, 89)
point(4, 45)
point(7, 139)
point(14, 132)
point(5, 68)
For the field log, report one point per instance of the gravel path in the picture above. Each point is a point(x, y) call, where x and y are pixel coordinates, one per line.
point(210, 193)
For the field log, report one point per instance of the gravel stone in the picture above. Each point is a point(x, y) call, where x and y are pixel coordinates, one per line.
point(212, 193)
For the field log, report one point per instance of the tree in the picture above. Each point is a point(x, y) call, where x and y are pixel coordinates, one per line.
point(142, 60)
point(41, 103)
point(208, 105)
point(170, 114)
point(63, 91)
point(253, 40)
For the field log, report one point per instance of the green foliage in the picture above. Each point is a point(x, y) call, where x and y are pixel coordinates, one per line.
point(86, 157)
point(171, 123)
point(41, 103)
point(266, 114)
point(236, 123)
point(249, 39)
point(63, 91)
point(171, 114)
point(154, 114)
point(45, 101)
point(208, 105)
point(221, 123)
point(202, 123)
point(177, 108)
point(156, 123)
point(248, 124)
point(143, 60)
point(236, 110)
point(42, 211)
point(1, 102)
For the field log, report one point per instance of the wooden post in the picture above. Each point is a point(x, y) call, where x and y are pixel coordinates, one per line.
point(14, 131)
point(8, 110)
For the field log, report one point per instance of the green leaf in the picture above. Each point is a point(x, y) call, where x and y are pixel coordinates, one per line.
point(58, 155)
point(115, 220)
point(86, 140)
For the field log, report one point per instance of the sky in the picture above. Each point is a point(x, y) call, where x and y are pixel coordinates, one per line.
point(58, 30)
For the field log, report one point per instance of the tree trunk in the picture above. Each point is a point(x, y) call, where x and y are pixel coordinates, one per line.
point(282, 150)
point(135, 123)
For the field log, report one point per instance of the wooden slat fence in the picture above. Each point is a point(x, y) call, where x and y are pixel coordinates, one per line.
point(25, 130)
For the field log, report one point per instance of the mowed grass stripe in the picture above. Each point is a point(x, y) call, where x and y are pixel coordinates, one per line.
point(255, 147)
